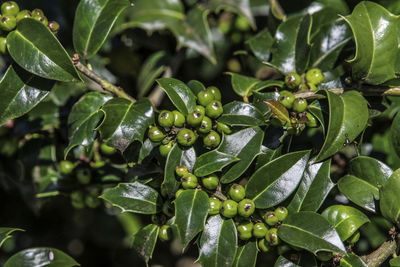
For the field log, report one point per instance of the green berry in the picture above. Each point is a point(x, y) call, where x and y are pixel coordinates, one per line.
point(166, 119)
point(229, 208)
point(9, 8)
point(272, 237)
point(37, 12)
point(194, 118)
point(168, 208)
point(8, 23)
point(286, 98)
point(324, 255)
point(271, 218)
point(308, 87)
point(211, 182)
point(283, 249)
point(54, 26)
point(214, 109)
point(186, 137)
point(200, 109)
point(43, 20)
point(223, 128)
point(215, 206)
point(354, 238)
point(281, 213)
point(181, 170)
point(155, 134)
point(246, 207)
point(83, 175)
point(165, 149)
point(216, 92)
point(205, 126)
point(3, 45)
point(245, 230)
point(97, 164)
point(212, 139)
point(260, 230)
point(77, 200)
point(178, 192)
point(179, 118)
point(237, 192)
point(189, 181)
point(165, 233)
point(66, 166)
point(23, 14)
point(204, 97)
point(263, 245)
point(92, 201)
point(300, 105)
point(314, 76)
point(292, 80)
point(312, 121)
point(107, 150)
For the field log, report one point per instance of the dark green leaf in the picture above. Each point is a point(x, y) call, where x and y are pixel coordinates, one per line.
point(177, 156)
point(275, 181)
point(35, 48)
point(145, 240)
point(313, 189)
point(304, 260)
point(212, 161)
point(146, 148)
point(246, 255)
point(395, 262)
point(93, 22)
point(5, 233)
point(125, 121)
point(389, 195)
point(261, 44)
point(351, 260)
point(241, 114)
point(150, 70)
point(310, 231)
point(49, 257)
point(371, 170)
point(191, 209)
point(375, 33)
point(133, 197)
point(20, 91)
point(278, 110)
point(348, 118)
point(394, 133)
point(345, 219)
point(218, 242)
point(196, 86)
point(179, 93)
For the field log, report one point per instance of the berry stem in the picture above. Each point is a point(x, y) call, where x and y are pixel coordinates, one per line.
point(218, 194)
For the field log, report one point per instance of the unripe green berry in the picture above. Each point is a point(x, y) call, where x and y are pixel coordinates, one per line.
point(186, 137)
point(314, 76)
point(215, 206)
point(3, 45)
point(223, 128)
point(23, 14)
point(292, 80)
point(181, 170)
point(237, 192)
point(246, 207)
point(165, 149)
point(107, 150)
point(66, 166)
point(165, 233)
point(283, 249)
point(229, 208)
point(8, 23)
point(281, 213)
point(43, 20)
point(286, 98)
point(204, 97)
point(354, 238)
point(179, 192)
point(166, 119)
point(194, 118)
point(205, 126)
point(300, 105)
point(77, 200)
point(9, 8)
point(272, 237)
point(97, 164)
point(211, 182)
point(54, 26)
point(83, 175)
point(212, 139)
point(324, 255)
point(92, 201)
point(37, 12)
point(179, 118)
point(263, 245)
point(215, 91)
point(168, 208)
point(214, 109)
point(260, 230)
point(245, 230)
point(189, 181)
point(155, 134)
point(271, 218)
point(200, 109)
point(312, 121)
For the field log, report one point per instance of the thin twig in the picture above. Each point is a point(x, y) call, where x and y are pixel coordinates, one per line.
point(380, 255)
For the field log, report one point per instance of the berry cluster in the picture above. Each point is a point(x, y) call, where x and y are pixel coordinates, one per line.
point(175, 127)
point(11, 15)
point(299, 115)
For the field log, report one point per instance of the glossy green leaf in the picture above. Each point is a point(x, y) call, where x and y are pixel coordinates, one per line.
point(351, 260)
point(20, 92)
point(125, 121)
point(84, 118)
point(150, 70)
point(245, 145)
point(191, 210)
point(241, 114)
point(238, 6)
point(375, 33)
point(145, 240)
point(246, 255)
point(212, 161)
point(394, 133)
point(260, 44)
point(218, 243)
point(389, 194)
point(345, 219)
point(196, 86)
point(275, 181)
point(313, 189)
point(395, 262)
point(134, 197)
point(5, 233)
point(371, 170)
point(177, 156)
point(278, 110)
point(303, 260)
point(179, 93)
point(49, 257)
point(348, 116)
point(35, 48)
point(93, 22)
point(310, 231)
